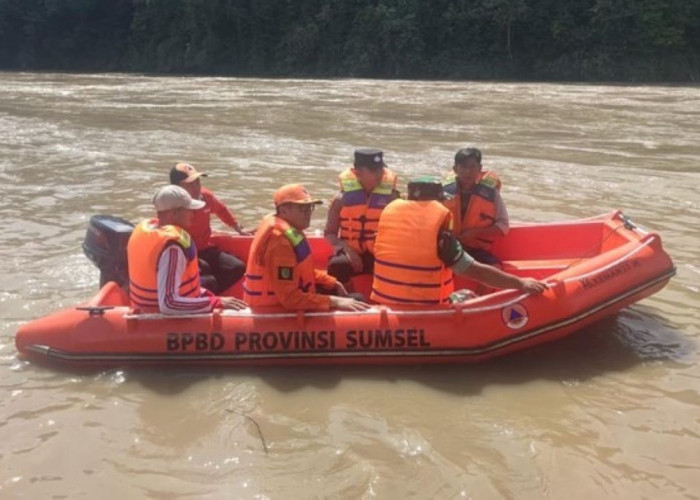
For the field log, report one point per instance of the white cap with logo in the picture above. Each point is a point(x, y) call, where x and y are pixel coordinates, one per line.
point(171, 197)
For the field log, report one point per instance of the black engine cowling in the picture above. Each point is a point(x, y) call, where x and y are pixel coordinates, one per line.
point(105, 245)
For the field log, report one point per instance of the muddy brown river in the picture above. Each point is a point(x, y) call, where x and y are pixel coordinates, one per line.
point(611, 412)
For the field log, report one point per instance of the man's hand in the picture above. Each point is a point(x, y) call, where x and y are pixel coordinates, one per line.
point(348, 304)
point(233, 303)
point(533, 286)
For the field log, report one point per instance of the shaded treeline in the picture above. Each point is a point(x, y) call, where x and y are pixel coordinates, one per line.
point(657, 40)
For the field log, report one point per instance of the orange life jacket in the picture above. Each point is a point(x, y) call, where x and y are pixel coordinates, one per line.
point(360, 212)
point(407, 269)
point(256, 287)
point(481, 210)
point(146, 244)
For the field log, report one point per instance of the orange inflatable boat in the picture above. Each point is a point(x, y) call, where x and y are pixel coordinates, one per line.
point(595, 267)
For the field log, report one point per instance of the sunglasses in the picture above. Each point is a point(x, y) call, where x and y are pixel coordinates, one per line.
point(306, 208)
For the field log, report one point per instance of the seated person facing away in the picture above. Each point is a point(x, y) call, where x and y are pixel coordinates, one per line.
point(477, 208)
point(365, 189)
point(416, 253)
point(219, 270)
point(280, 270)
point(163, 267)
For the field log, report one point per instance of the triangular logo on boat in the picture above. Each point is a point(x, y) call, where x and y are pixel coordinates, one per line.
point(515, 316)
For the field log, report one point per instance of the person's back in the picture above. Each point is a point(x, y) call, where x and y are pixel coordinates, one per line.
point(411, 274)
point(417, 253)
point(146, 245)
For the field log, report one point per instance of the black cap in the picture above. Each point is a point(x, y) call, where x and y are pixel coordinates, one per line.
point(425, 188)
point(369, 157)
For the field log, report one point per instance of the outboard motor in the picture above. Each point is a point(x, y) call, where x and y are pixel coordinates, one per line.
point(105, 245)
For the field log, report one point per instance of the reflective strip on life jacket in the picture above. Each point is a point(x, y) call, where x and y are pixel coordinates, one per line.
point(360, 211)
point(481, 210)
point(256, 286)
point(146, 244)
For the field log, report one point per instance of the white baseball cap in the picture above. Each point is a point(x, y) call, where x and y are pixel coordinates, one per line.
point(171, 197)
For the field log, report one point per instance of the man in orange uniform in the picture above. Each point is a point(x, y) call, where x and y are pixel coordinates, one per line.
point(421, 272)
point(280, 270)
point(365, 189)
point(478, 211)
point(219, 270)
point(163, 267)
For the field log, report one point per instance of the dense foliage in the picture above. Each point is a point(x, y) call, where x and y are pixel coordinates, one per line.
point(656, 40)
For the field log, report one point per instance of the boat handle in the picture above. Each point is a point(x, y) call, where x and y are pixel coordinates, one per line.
point(95, 310)
point(631, 226)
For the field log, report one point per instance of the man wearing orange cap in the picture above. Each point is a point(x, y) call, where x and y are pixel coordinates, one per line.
point(280, 270)
point(163, 267)
point(219, 269)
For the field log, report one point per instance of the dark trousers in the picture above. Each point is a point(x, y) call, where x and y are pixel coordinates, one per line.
point(219, 270)
point(340, 268)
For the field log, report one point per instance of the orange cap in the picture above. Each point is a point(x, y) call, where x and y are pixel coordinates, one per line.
point(294, 193)
point(184, 172)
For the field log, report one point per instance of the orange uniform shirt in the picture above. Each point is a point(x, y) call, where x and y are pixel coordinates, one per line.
point(278, 260)
point(200, 228)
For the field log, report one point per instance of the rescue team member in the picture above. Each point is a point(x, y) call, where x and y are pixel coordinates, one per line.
point(478, 211)
point(162, 258)
point(420, 272)
point(365, 189)
point(280, 270)
point(219, 270)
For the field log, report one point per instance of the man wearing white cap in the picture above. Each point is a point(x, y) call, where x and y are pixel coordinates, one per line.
point(162, 258)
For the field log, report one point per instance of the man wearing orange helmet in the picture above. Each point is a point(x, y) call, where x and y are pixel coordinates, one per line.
point(280, 269)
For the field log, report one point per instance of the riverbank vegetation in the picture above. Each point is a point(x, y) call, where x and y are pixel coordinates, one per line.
point(576, 40)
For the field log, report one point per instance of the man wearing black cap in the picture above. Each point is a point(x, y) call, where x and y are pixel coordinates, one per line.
point(420, 273)
point(365, 189)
